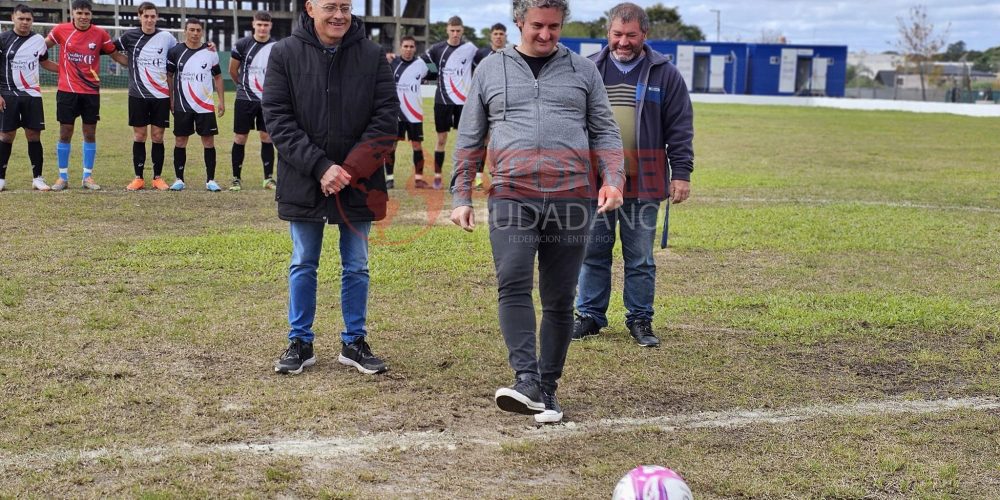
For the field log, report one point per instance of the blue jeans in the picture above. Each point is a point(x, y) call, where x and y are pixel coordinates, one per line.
point(307, 243)
point(636, 220)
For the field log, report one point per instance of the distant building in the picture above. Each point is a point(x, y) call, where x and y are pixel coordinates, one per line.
point(741, 68)
point(941, 74)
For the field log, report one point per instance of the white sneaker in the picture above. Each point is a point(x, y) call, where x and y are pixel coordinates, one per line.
point(212, 186)
point(3, 184)
point(178, 185)
point(553, 413)
point(38, 184)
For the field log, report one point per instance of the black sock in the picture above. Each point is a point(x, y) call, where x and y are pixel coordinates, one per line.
point(210, 163)
point(35, 157)
point(138, 157)
point(390, 163)
point(438, 161)
point(267, 158)
point(157, 151)
point(5, 149)
point(180, 158)
point(418, 162)
point(239, 152)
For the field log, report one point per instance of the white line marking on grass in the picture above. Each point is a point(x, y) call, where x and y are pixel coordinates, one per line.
point(367, 445)
point(823, 201)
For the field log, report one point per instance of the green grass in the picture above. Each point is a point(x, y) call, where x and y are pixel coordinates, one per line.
point(825, 257)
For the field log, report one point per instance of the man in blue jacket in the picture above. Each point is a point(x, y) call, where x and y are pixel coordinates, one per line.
point(330, 106)
point(653, 110)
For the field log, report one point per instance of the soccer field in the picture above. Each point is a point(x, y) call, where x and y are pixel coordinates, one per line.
point(829, 306)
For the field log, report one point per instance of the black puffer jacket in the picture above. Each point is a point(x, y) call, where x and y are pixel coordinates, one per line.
point(321, 109)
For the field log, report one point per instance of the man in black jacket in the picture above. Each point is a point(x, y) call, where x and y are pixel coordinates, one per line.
point(330, 105)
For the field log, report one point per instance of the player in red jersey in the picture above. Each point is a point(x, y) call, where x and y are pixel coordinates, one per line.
point(80, 47)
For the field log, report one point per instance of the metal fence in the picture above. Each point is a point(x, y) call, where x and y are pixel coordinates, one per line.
point(933, 95)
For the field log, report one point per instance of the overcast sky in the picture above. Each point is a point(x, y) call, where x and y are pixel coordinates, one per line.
point(860, 24)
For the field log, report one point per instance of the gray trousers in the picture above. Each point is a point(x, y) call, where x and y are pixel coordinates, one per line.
point(556, 230)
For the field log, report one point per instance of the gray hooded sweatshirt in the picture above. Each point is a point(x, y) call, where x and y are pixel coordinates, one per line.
point(556, 134)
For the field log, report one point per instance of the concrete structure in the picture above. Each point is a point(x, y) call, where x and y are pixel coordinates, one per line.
point(229, 20)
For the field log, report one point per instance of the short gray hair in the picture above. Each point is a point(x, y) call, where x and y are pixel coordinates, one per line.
point(521, 7)
point(627, 12)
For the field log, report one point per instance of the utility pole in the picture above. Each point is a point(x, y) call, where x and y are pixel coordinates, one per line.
point(718, 22)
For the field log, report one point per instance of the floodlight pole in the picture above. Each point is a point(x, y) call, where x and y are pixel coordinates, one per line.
point(718, 22)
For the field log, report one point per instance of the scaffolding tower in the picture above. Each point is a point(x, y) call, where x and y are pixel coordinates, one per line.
point(229, 20)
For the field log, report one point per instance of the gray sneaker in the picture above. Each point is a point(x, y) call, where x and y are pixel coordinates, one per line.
point(88, 183)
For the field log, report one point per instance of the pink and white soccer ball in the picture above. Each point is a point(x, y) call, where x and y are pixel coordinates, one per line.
point(652, 482)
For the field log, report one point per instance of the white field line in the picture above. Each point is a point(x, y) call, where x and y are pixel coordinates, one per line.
point(822, 201)
point(367, 445)
point(442, 219)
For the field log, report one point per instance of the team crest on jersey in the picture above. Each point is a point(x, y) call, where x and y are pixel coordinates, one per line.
point(91, 45)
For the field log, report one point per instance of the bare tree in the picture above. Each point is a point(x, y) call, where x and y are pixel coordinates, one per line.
point(918, 43)
point(770, 36)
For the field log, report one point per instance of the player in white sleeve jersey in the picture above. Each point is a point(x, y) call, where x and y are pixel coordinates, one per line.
point(21, 54)
point(409, 72)
point(454, 60)
point(193, 74)
point(247, 68)
point(148, 92)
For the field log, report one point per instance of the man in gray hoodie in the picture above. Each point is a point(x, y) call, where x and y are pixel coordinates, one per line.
point(554, 147)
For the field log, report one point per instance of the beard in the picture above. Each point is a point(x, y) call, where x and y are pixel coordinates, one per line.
point(634, 53)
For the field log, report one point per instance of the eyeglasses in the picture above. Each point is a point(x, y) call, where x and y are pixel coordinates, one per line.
point(330, 8)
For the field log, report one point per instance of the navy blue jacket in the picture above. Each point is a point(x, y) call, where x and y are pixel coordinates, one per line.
point(664, 125)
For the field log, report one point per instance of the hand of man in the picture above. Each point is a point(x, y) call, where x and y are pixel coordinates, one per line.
point(220, 108)
point(608, 199)
point(679, 190)
point(464, 217)
point(335, 179)
point(3, 104)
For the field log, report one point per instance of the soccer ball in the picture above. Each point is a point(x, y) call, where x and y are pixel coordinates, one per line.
point(652, 482)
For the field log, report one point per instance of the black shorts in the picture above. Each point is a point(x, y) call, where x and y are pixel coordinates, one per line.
point(187, 123)
point(415, 131)
point(70, 105)
point(22, 112)
point(142, 112)
point(248, 117)
point(446, 116)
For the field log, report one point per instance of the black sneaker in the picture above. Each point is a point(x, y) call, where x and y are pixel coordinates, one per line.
point(390, 184)
point(298, 356)
point(583, 327)
point(642, 332)
point(359, 355)
point(524, 397)
point(553, 412)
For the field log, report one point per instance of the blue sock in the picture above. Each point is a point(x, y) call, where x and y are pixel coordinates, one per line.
point(89, 153)
point(62, 157)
